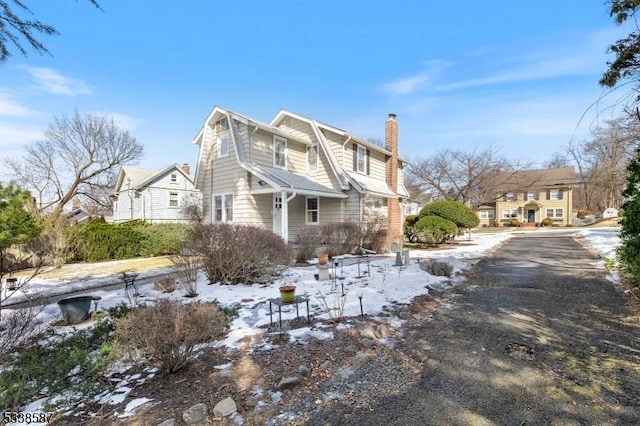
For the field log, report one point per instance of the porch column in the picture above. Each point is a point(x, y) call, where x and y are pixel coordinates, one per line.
point(284, 217)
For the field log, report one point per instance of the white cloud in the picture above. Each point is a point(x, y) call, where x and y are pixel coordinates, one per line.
point(9, 107)
point(52, 81)
point(572, 56)
point(417, 81)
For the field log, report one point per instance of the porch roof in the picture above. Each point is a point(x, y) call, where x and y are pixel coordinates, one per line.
point(285, 180)
point(371, 185)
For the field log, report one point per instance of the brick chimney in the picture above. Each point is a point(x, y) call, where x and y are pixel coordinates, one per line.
point(186, 168)
point(394, 217)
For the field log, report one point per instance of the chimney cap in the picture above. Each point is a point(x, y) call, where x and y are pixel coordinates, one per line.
point(392, 115)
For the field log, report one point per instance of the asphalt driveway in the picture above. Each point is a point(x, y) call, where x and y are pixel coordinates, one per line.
point(536, 336)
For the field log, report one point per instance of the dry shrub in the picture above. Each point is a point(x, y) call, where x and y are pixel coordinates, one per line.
point(165, 285)
point(168, 332)
point(18, 326)
point(373, 229)
point(340, 237)
point(309, 238)
point(234, 254)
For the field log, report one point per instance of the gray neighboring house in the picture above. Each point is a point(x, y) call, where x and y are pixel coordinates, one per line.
point(155, 196)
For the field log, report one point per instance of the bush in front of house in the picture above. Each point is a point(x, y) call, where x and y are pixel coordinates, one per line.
point(434, 230)
point(235, 254)
point(167, 333)
point(515, 222)
point(162, 238)
point(309, 238)
point(373, 231)
point(97, 240)
point(408, 227)
point(456, 212)
point(547, 221)
point(340, 237)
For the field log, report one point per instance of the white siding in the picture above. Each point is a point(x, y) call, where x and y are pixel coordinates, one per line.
point(299, 128)
point(377, 163)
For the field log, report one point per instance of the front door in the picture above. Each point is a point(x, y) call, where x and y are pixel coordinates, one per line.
point(277, 214)
point(531, 216)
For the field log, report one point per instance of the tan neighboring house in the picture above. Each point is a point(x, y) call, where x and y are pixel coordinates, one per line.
point(531, 196)
point(296, 171)
point(155, 196)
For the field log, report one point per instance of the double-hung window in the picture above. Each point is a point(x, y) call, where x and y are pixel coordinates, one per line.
point(174, 178)
point(554, 194)
point(532, 196)
point(360, 159)
point(223, 146)
point(313, 211)
point(279, 152)
point(223, 208)
point(173, 199)
point(555, 213)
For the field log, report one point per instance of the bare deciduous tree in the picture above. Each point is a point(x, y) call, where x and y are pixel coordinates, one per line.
point(558, 160)
point(78, 158)
point(465, 176)
point(602, 162)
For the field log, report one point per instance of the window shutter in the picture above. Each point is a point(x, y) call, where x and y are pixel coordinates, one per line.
point(355, 157)
point(560, 193)
point(548, 194)
point(367, 160)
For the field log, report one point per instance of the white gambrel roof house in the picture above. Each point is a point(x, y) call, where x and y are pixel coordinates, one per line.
point(296, 171)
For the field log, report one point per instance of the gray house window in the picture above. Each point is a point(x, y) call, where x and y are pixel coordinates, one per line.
point(173, 199)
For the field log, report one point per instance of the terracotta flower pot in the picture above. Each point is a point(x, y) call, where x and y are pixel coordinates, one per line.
point(323, 258)
point(287, 293)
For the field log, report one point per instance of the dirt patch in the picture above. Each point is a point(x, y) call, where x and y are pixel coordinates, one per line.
point(250, 374)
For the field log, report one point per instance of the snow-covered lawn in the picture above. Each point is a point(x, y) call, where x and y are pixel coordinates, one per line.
point(373, 284)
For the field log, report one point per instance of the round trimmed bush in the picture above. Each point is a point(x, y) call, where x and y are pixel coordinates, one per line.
point(434, 229)
point(456, 212)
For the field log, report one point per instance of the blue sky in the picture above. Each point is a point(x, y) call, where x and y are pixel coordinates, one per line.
point(458, 75)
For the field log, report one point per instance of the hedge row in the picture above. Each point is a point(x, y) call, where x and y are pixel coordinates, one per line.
point(98, 240)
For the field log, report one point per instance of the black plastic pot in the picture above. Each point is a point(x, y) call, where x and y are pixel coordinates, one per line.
point(75, 309)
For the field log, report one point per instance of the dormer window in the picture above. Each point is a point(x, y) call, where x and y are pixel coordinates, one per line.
point(221, 125)
point(312, 158)
point(279, 152)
